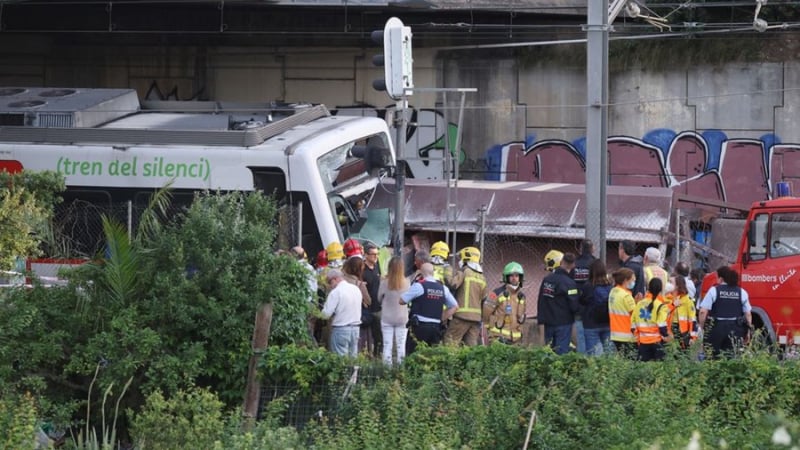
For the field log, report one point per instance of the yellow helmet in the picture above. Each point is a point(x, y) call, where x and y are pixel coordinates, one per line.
point(440, 249)
point(552, 260)
point(335, 251)
point(470, 254)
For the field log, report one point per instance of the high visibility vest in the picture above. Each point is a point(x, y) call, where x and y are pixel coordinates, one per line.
point(620, 307)
point(654, 271)
point(665, 312)
point(686, 316)
point(644, 321)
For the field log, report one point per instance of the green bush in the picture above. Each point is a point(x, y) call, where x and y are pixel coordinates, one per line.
point(173, 308)
point(192, 418)
point(17, 422)
point(483, 397)
point(264, 436)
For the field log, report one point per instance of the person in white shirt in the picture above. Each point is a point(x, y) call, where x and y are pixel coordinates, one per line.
point(344, 305)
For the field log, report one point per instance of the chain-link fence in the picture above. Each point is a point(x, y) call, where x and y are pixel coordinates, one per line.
point(76, 230)
point(511, 224)
point(296, 405)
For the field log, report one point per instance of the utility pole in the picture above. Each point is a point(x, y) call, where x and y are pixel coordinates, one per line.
point(597, 29)
point(400, 176)
point(398, 82)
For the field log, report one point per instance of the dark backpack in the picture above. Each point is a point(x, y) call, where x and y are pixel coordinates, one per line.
point(598, 306)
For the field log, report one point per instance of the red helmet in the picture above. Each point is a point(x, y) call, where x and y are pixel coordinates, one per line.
point(353, 248)
point(322, 259)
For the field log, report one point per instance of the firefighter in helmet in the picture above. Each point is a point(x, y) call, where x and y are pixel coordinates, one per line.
point(442, 271)
point(552, 260)
point(504, 309)
point(353, 248)
point(558, 300)
point(322, 260)
point(470, 291)
point(334, 258)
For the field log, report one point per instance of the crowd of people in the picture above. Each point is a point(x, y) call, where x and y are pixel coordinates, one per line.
point(636, 310)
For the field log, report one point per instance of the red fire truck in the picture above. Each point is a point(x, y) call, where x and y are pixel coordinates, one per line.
point(768, 263)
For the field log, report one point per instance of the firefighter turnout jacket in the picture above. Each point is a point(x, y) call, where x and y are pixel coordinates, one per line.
point(470, 287)
point(504, 314)
point(442, 272)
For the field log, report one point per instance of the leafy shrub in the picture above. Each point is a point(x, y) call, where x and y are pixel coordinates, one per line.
point(172, 308)
point(190, 418)
point(264, 436)
point(483, 397)
point(17, 422)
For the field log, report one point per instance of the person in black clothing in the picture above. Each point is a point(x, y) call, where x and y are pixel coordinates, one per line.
point(729, 305)
point(372, 276)
point(557, 305)
point(629, 259)
point(596, 328)
point(580, 273)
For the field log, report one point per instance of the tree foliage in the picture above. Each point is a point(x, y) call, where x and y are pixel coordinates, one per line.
point(171, 308)
point(26, 201)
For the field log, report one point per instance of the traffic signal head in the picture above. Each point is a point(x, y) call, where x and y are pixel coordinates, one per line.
point(396, 59)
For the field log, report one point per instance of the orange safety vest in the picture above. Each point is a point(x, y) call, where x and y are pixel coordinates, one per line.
point(620, 307)
point(665, 315)
point(645, 321)
point(686, 316)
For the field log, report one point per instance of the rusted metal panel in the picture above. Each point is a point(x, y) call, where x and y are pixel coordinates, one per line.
point(553, 210)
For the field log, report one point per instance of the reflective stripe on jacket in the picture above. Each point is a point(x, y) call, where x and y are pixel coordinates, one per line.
point(686, 316)
point(645, 320)
point(499, 322)
point(620, 307)
point(470, 292)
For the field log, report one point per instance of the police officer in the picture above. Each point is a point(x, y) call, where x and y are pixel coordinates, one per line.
point(558, 301)
point(729, 305)
point(504, 309)
point(427, 298)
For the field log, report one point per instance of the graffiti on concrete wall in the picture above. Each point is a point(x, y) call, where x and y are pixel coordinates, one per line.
point(707, 164)
point(154, 92)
